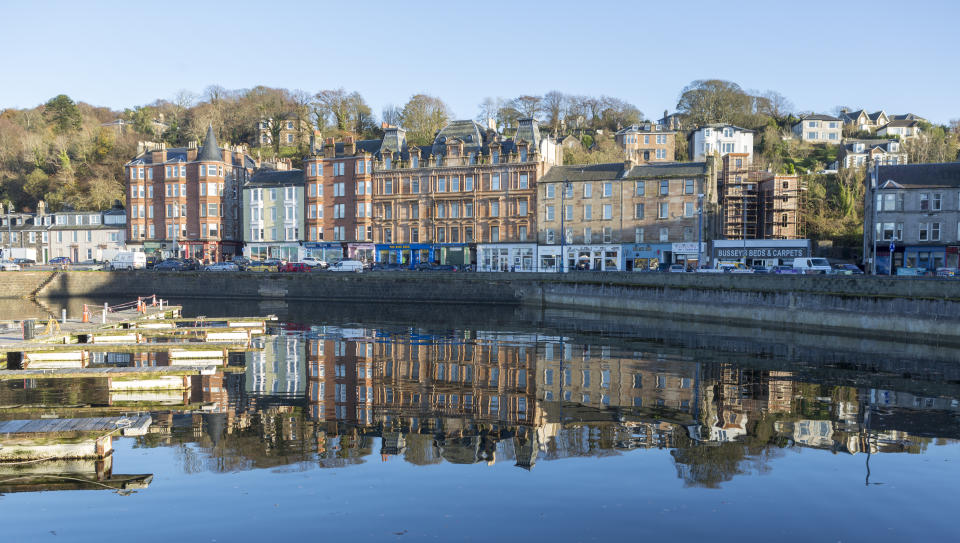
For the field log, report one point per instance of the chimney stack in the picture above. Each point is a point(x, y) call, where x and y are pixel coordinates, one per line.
point(329, 148)
point(349, 147)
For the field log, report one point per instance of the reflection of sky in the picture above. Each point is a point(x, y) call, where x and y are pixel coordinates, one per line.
point(809, 495)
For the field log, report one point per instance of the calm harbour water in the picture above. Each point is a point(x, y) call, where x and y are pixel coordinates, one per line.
point(393, 423)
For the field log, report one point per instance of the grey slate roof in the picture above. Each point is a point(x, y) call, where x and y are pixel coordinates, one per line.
point(583, 172)
point(669, 169)
point(818, 117)
point(945, 175)
point(901, 123)
point(867, 144)
point(210, 152)
point(270, 177)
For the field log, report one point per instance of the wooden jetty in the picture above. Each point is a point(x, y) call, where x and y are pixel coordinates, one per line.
point(42, 439)
point(68, 474)
point(111, 372)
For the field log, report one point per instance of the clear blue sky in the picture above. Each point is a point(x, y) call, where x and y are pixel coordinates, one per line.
point(899, 56)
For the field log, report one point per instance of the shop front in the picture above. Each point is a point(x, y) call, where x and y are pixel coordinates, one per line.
point(688, 254)
point(288, 251)
point(516, 257)
point(925, 257)
point(327, 252)
point(456, 254)
point(760, 252)
point(642, 257)
point(361, 251)
point(405, 254)
point(549, 259)
point(594, 257)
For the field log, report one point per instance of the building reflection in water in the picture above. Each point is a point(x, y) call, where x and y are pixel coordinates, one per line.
point(337, 396)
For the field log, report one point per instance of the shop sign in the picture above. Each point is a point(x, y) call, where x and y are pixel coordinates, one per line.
point(688, 248)
point(761, 252)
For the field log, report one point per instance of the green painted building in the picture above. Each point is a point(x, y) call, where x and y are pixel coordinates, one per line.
point(273, 224)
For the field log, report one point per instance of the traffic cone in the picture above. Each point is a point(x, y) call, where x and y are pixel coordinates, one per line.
point(86, 314)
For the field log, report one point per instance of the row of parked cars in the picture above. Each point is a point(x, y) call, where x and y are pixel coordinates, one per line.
point(819, 266)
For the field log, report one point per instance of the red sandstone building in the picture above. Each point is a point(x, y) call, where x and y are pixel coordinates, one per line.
point(184, 202)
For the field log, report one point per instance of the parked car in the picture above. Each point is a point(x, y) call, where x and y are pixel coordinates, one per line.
point(9, 265)
point(347, 266)
point(911, 272)
point(314, 262)
point(171, 264)
point(275, 262)
point(24, 262)
point(294, 267)
point(437, 267)
point(707, 269)
point(61, 260)
point(241, 261)
point(128, 260)
point(811, 265)
point(783, 270)
point(947, 272)
point(222, 267)
point(258, 266)
point(152, 261)
point(676, 268)
point(383, 266)
point(761, 269)
point(846, 269)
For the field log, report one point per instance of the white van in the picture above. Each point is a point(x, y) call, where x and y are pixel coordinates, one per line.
point(128, 260)
point(347, 266)
point(811, 265)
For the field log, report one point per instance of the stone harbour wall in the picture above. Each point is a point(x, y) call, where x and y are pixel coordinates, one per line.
point(909, 308)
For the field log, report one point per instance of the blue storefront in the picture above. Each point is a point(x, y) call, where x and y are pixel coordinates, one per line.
point(646, 256)
point(411, 254)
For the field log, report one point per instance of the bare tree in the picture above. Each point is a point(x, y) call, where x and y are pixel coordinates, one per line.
point(423, 115)
point(554, 105)
point(527, 105)
point(335, 104)
point(391, 115)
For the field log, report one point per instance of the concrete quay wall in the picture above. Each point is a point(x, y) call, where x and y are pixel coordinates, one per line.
point(906, 308)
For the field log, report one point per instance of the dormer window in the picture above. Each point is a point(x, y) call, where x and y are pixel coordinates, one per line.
point(495, 157)
point(858, 148)
point(523, 154)
point(414, 161)
point(386, 163)
point(894, 147)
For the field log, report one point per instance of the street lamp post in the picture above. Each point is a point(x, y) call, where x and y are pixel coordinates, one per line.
point(873, 233)
point(700, 231)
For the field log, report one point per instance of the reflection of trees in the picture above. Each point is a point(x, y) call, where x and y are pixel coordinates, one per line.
point(420, 450)
point(707, 464)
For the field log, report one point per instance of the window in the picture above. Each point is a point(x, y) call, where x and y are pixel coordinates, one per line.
point(688, 209)
point(664, 234)
point(441, 184)
point(568, 212)
point(923, 233)
point(550, 235)
point(587, 190)
point(607, 212)
point(638, 235)
point(494, 233)
point(388, 186)
point(568, 191)
point(468, 183)
point(212, 210)
point(688, 186)
point(523, 181)
point(924, 202)
point(588, 235)
point(663, 211)
point(454, 184)
point(495, 157)
point(494, 208)
point(607, 190)
point(521, 208)
point(640, 188)
point(494, 181)
point(661, 153)
point(638, 211)
point(664, 188)
point(937, 201)
point(587, 212)
point(414, 211)
point(522, 233)
point(414, 185)
point(468, 209)
point(935, 231)
point(455, 209)
point(607, 234)
point(551, 191)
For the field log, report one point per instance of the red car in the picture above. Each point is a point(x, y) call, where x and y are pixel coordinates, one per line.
point(295, 267)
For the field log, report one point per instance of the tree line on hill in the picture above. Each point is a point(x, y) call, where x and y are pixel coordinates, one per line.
point(61, 151)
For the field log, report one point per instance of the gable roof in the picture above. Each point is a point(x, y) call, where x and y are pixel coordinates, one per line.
point(945, 175)
point(668, 169)
point(818, 117)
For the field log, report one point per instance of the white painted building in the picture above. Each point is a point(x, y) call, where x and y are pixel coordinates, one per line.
point(721, 139)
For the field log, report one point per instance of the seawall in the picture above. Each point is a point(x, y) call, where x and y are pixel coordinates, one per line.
point(910, 309)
